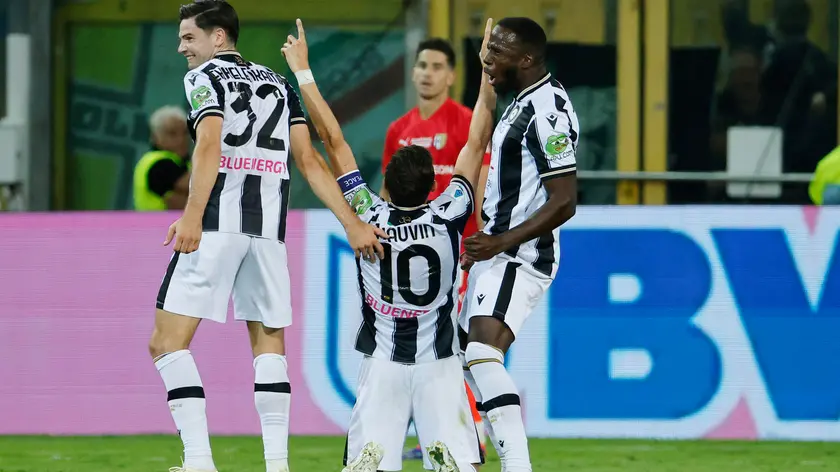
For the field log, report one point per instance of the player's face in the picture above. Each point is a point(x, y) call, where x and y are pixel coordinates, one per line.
point(197, 45)
point(503, 59)
point(432, 75)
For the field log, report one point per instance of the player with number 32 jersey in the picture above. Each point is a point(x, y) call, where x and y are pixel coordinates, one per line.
point(251, 194)
point(246, 121)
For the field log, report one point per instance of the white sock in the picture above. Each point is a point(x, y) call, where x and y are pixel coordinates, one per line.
point(500, 400)
point(188, 407)
point(272, 397)
point(483, 427)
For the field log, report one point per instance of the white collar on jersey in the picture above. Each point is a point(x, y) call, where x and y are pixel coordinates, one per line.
point(408, 208)
point(533, 86)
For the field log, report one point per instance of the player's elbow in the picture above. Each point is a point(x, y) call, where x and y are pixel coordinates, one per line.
point(566, 209)
point(207, 151)
point(312, 164)
point(476, 144)
point(564, 206)
point(307, 164)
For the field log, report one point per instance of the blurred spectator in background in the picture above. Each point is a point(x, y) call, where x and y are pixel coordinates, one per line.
point(798, 85)
point(738, 104)
point(825, 187)
point(441, 125)
point(162, 176)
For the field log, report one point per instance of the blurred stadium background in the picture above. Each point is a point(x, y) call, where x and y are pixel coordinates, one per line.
point(698, 297)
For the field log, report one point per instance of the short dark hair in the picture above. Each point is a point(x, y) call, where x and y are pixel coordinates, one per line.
point(211, 14)
point(437, 44)
point(410, 176)
point(529, 33)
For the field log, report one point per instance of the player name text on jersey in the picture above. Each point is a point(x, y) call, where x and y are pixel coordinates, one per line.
point(239, 73)
point(409, 232)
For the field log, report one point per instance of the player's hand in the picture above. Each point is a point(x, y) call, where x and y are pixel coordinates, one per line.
point(482, 246)
point(296, 51)
point(186, 232)
point(466, 262)
point(364, 239)
point(488, 28)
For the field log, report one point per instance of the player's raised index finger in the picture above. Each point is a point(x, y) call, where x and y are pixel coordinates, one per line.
point(301, 33)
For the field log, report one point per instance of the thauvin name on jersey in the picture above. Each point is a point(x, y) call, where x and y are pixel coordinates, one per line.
point(408, 232)
point(249, 74)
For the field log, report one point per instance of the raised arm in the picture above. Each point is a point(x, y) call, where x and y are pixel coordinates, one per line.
point(471, 157)
point(339, 153)
point(361, 236)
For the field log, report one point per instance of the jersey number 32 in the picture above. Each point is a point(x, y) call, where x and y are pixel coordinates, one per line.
point(243, 104)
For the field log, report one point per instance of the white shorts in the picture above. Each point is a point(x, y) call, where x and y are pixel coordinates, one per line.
point(255, 270)
point(432, 393)
point(502, 288)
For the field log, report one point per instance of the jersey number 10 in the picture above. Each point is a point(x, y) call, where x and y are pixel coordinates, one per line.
point(243, 104)
point(404, 274)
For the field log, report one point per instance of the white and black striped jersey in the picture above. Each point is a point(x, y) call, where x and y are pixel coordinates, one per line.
point(535, 140)
point(409, 297)
point(251, 194)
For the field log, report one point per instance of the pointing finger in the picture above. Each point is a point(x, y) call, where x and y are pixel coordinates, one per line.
point(301, 33)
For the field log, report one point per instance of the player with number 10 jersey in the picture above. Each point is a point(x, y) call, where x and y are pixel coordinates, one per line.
point(411, 366)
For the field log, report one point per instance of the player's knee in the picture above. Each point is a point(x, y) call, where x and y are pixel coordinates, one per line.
point(480, 353)
point(162, 343)
point(266, 340)
point(490, 330)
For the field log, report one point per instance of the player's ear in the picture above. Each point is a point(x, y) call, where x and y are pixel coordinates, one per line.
point(527, 60)
point(450, 78)
point(219, 37)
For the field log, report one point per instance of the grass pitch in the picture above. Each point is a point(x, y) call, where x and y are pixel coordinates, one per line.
point(317, 454)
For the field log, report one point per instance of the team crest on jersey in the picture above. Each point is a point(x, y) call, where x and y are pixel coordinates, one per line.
point(440, 141)
point(513, 115)
point(459, 193)
point(200, 96)
point(361, 201)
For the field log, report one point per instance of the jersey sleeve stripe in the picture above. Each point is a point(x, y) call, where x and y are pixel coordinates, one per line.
point(558, 172)
point(298, 121)
point(470, 193)
point(467, 185)
point(208, 112)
